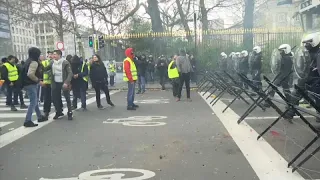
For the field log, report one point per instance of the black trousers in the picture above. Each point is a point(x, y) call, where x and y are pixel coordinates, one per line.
point(184, 79)
point(57, 98)
point(175, 86)
point(47, 100)
point(111, 80)
point(101, 86)
point(10, 91)
point(256, 78)
point(162, 79)
point(79, 93)
point(18, 93)
point(284, 83)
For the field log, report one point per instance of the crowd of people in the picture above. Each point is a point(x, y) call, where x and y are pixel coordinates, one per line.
point(49, 78)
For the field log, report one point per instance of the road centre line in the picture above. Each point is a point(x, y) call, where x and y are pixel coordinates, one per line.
point(22, 131)
point(263, 158)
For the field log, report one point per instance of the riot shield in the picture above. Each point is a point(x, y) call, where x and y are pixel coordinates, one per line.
point(301, 63)
point(251, 59)
point(236, 62)
point(275, 62)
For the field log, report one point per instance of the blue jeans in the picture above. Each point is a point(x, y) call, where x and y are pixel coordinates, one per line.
point(34, 102)
point(142, 84)
point(130, 95)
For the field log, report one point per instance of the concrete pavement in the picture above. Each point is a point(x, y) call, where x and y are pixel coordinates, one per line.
point(163, 139)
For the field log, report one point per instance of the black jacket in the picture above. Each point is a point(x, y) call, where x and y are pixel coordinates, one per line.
point(142, 65)
point(286, 65)
point(162, 66)
point(98, 73)
point(244, 64)
point(76, 69)
point(256, 62)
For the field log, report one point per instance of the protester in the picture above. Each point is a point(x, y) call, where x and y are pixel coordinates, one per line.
point(162, 70)
point(99, 80)
point(18, 92)
point(173, 75)
point(150, 69)
point(184, 68)
point(10, 74)
point(31, 77)
point(61, 76)
point(142, 68)
point(46, 87)
point(79, 82)
point(130, 75)
point(112, 71)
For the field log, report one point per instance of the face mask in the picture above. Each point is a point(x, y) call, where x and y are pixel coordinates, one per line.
point(308, 46)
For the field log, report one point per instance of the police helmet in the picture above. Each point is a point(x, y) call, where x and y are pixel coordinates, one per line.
point(286, 48)
point(244, 53)
point(312, 39)
point(257, 49)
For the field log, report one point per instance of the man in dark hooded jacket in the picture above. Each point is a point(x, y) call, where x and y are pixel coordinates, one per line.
point(162, 69)
point(142, 68)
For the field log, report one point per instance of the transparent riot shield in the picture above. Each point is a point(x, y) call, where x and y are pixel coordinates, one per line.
point(275, 62)
point(301, 63)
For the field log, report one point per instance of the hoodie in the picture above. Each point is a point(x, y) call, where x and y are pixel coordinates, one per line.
point(126, 64)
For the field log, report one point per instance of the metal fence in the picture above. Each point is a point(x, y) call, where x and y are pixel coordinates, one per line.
point(206, 45)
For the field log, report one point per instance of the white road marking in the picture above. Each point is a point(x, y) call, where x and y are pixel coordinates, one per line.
point(18, 107)
point(2, 124)
point(20, 132)
point(263, 158)
point(273, 117)
point(137, 121)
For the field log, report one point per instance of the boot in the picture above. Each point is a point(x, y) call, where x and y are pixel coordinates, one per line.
point(70, 116)
point(43, 118)
point(23, 106)
point(13, 108)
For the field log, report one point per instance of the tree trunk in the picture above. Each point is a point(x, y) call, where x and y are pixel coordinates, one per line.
point(204, 19)
point(184, 21)
point(248, 24)
point(156, 23)
point(75, 28)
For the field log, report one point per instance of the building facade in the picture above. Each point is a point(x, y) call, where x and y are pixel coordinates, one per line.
point(5, 34)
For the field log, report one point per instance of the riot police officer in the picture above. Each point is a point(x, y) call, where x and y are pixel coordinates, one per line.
point(284, 71)
point(312, 45)
point(244, 65)
point(222, 63)
point(255, 66)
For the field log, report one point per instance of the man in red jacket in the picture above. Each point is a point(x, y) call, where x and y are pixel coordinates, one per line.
point(130, 75)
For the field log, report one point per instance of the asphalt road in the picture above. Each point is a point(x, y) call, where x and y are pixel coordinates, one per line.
point(285, 138)
point(162, 140)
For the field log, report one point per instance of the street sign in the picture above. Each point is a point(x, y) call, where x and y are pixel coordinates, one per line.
point(60, 46)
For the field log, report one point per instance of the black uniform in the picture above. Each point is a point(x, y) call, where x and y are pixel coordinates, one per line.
point(244, 68)
point(256, 66)
point(162, 69)
point(311, 83)
point(223, 64)
point(283, 78)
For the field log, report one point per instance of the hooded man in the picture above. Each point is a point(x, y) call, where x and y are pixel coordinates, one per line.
point(150, 68)
point(31, 78)
point(162, 69)
point(130, 75)
point(173, 75)
point(142, 68)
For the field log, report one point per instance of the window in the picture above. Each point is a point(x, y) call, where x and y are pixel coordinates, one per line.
point(41, 28)
point(12, 29)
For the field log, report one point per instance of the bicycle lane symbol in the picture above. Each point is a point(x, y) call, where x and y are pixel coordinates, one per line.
point(110, 174)
point(137, 121)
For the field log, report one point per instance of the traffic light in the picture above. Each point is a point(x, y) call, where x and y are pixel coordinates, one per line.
point(90, 41)
point(101, 42)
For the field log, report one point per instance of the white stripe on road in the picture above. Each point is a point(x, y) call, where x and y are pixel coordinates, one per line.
point(22, 131)
point(272, 117)
point(2, 124)
point(18, 107)
point(263, 158)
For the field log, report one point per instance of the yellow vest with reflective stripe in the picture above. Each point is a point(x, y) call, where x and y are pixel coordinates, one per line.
point(12, 72)
point(172, 73)
point(112, 68)
point(85, 78)
point(133, 70)
point(46, 74)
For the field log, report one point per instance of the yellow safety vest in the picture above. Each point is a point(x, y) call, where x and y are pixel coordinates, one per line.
point(133, 70)
point(85, 78)
point(46, 74)
point(112, 68)
point(12, 72)
point(172, 73)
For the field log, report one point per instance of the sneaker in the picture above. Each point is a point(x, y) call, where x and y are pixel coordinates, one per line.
point(70, 117)
point(23, 106)
point(178, 99)
point(143, 92)
point(131, 108)
point(74, 108)
point(84, 109)
point(43, 118)
point(58, 115)
point(13, 108)
point(138, 92)
point(101, 107)
point(29, 124)
point(111, 104)
point(16, 103)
